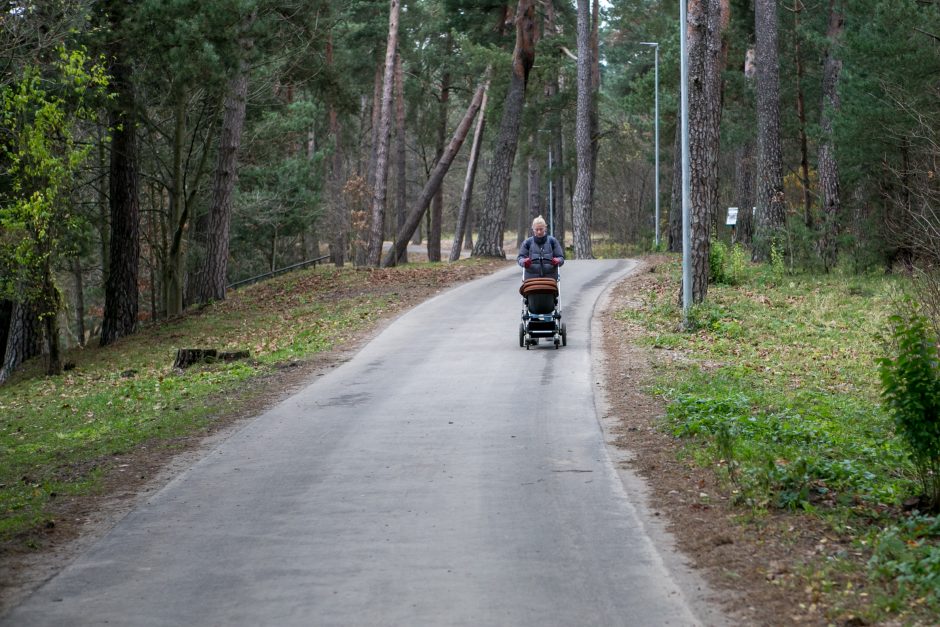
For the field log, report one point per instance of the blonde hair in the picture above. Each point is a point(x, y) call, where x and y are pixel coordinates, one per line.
point(539, 221)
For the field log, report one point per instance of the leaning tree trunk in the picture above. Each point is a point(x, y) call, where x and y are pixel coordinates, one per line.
point(707, 21)
point(828, 166)
point(435, 178)
point(771, 211)
point(214, 276)
point(493, 217)
point(401, 181)
point(24, 339)
point(466, 198)
point(174, 268)
point(583, 145)
point(121, 297)
point(377, 233)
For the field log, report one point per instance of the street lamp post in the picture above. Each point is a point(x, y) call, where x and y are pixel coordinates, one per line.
point(686, 178)
point(656, 125)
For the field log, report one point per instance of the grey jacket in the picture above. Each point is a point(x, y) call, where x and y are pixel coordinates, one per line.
point(541, 255)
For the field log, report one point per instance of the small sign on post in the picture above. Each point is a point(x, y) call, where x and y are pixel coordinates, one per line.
point(732, 220)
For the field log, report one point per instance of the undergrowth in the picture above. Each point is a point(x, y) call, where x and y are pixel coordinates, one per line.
point(776, 388)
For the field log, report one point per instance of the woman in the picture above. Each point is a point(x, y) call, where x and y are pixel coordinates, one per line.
point(541, 254)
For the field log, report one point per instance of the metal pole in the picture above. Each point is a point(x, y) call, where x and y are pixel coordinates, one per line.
point(656, 125)
point(686, 191)
point(656, 113)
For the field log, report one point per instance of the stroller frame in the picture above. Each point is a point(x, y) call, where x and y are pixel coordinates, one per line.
point(541, 317)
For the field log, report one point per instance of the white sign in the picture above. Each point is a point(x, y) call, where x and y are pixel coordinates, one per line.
point(732, 216)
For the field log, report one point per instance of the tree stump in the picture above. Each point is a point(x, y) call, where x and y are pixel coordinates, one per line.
point(186, 357)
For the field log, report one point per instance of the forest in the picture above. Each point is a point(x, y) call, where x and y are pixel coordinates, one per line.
point(154, 153)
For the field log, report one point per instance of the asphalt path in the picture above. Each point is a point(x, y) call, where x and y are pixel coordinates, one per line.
point(442, 476)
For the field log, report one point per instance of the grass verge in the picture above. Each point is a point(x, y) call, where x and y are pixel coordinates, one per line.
point(776, 392)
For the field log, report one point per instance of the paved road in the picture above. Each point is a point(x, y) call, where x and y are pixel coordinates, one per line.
point(444, 476)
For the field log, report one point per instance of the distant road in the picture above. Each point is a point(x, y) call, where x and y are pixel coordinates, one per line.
point(443, 476)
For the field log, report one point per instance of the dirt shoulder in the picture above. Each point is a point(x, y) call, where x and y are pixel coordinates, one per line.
point(756, 566)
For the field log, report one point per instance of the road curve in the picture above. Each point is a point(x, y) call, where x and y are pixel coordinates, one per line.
point(443, 476)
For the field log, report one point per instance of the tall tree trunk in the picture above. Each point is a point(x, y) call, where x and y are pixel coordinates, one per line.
point(79, 301)
point(583, 144)
point(466, 198)
point(522, 212)
point(435, 178)
point(437, 204)
point(401, 187)
point(556, 205)
point(744, 192)
point(674, 231)
point(121, 297)
point(828, 166)
point(214, 276)
point(595, 103)
point(338, 215)
point(535, 181)
point(173, 270)
point(377, 233)
point(801, 116)
point(6, 314)
point(493, 217)
point(23, 339)
point(771, 210)
point(707, 21)
point(558, 185)
point(104, 209)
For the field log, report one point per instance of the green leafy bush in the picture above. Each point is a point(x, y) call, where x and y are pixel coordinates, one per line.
point(910, 383)
point(908, 556)
point(717, 258)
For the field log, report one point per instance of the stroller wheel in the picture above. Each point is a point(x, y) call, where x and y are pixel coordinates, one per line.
point(564, 334)
point(521, 335)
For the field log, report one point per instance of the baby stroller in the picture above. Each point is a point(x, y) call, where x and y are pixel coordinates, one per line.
point(541, 318)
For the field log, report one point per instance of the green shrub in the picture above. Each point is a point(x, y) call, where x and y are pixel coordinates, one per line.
point(910, 384)
point(737, 265)
point(717, 260)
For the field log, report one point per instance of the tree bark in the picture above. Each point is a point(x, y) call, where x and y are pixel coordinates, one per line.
point(214, 276)
point(435, 178)
point(493, 217)
point(801, 116)
point(535, 181)
point(23, 339)
point(771, 210)
point(744, 192)
point(466, 198)
point(583, 140)
point(675, 202)
point(173, 269)
point(828, 166)
point(79, 301)
point(401, 187)
point(338, 215)
point(377, 233)
point(707, 21)
point(437, 204)
point(121, 297)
